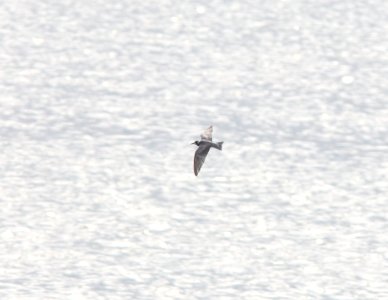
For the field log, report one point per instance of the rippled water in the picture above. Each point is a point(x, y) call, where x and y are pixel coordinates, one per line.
point(100, 102)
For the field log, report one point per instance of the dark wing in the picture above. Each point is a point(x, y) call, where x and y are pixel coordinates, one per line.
point(207, 134)
point(199, 157)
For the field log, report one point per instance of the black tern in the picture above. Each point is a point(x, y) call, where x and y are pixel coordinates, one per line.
point(203, 148)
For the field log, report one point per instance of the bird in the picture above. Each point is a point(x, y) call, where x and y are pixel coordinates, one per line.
point(204, 146)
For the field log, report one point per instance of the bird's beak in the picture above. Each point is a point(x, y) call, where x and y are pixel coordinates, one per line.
point(192, 143)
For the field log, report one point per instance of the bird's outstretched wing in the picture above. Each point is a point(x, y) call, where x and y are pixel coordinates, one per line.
point(207, 134)
point(199, 158)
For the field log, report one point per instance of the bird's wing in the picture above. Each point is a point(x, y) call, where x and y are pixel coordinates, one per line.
point(207, 134)
point(199, 158)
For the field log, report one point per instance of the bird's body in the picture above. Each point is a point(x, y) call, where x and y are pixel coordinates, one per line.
point(203, 149)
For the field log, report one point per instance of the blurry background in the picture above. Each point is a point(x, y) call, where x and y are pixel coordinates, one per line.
point(99, 102)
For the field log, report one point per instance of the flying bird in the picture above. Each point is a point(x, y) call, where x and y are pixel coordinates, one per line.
point(204, 146)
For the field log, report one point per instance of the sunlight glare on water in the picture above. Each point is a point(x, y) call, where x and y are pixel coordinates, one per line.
point(100, 104)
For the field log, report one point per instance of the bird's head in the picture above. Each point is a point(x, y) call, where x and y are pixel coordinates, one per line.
point(196, 143)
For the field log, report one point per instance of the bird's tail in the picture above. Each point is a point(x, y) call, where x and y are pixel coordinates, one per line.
point(220, 145)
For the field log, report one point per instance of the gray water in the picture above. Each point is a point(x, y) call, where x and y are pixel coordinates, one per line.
point(99, 102)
